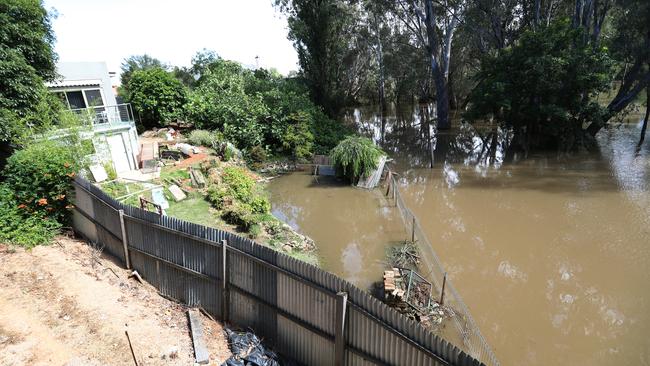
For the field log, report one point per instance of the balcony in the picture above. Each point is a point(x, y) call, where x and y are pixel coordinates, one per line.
point(108, 117)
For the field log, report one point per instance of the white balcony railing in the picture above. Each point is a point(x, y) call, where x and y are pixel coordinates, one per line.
point(108, 115)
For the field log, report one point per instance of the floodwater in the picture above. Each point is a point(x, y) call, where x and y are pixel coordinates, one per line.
point(550, 253)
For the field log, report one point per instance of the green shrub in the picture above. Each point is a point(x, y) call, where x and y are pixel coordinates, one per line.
point(260, 204)
point(254, 231)
point(220, 102)
point(240, 214)
point(328, 133)
point(110, 171)
point(257, 157)
point(157, 96)
point(297, 139)
point(40, 176)
point(355, 157)
point(218, 196)
point(20, 227)
point(240, 199)
point(206, 138)
point(240, 185)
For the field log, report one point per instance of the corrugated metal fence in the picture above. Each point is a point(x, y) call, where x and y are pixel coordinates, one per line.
point(305, 313)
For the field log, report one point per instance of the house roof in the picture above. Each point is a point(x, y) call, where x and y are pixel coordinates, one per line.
point(69, 83)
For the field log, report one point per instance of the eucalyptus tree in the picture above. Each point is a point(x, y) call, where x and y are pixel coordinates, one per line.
point(433, 25)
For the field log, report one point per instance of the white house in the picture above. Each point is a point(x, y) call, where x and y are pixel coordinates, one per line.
point(85, 87)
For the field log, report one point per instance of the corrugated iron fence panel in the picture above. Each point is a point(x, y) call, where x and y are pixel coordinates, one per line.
point(303, 301)
point(304, 345)
point(111, 244)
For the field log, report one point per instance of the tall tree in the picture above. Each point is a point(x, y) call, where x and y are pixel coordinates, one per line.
point(135, 63)
point(328, 45)
point(27, 59)
point(630, 46)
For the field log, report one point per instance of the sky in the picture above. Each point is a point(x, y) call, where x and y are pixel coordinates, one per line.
point(172, 31)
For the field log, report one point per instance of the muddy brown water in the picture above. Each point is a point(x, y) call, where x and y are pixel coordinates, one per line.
point(550, 253)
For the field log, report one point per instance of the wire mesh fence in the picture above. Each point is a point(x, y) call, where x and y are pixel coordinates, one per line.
point(432, 270)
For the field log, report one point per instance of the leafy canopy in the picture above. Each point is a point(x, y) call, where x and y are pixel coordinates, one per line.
point(26, 59)
point(546, 84)
point(157, 96)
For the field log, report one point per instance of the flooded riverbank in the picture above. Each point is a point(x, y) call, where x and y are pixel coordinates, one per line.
point(551, 253)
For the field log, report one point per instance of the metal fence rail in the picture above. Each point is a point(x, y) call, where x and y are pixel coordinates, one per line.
point(473, 341)
point(307, 314)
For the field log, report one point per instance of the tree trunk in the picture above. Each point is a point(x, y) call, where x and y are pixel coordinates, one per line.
point(442, 95)
point(634, 82)
point(577, 14)
point(645, 119)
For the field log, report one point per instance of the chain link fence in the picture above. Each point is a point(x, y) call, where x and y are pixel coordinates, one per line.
point(431, 268)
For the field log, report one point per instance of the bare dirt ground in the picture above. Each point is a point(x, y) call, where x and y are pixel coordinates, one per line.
point(68, 304)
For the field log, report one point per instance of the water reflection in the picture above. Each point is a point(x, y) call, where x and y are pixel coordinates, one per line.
point(351, 227)
point(550, 252)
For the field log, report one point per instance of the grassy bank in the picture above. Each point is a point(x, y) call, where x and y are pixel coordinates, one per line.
point(233, 199)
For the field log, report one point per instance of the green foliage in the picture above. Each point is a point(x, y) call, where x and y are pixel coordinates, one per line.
point(260, 108)
point(206, 138)
point(26, 59)
point(220, 102)
point(355, 157)
point(25, 27)
point(241, 201)
point(298, 139)
point(257, 156)
point(40, 176)
point(328, 133)
point(229, 152)
point(544, 87)
point(20, 227)
point(324, 34)
point(254, 231)
point(110, 171)
point(157, 96)
point(136, 63)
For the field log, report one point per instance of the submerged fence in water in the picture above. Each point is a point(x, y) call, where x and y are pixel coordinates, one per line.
point(473, 341)
point(305, 313)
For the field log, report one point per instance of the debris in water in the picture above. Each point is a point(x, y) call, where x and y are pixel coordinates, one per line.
point(409, 293)
point(406, 254)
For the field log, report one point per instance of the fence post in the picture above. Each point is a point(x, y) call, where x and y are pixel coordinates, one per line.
point(413, 229)
point(124, 240)
point(339, 340)
point(225, 294)
point(442, 291)
point(388, 179)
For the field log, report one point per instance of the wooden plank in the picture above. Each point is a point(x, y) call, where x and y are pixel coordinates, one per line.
point(196, 328)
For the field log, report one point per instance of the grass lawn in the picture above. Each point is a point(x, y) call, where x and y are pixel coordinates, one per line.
point(194, 209)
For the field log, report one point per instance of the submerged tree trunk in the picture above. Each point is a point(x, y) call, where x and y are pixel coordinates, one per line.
point(632, 84)
point(645, 119)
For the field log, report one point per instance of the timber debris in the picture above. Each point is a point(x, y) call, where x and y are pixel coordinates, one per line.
point(196, 328)
point(409, 293)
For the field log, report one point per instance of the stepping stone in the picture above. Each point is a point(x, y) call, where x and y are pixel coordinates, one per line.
point(176, 191)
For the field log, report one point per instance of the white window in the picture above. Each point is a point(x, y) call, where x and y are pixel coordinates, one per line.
point(83, 98)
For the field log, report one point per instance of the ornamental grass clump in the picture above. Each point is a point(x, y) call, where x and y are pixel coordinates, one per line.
point(355, 157)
